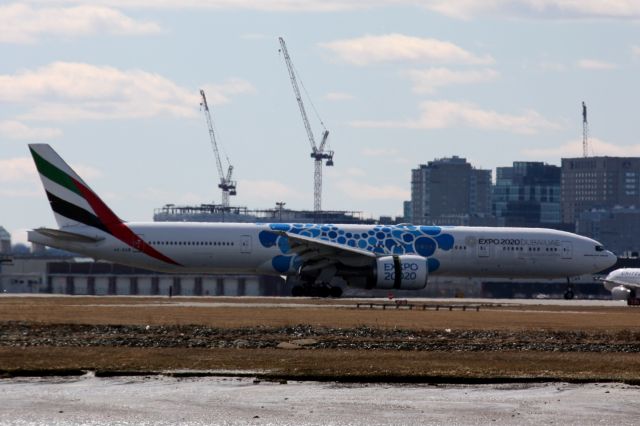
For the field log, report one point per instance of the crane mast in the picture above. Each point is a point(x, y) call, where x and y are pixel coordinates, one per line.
point(318, 153)
point(227, 185)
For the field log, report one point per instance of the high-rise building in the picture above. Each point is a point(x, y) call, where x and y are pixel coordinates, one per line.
point(5, 241)
point(448, 191)
point(407, 212)
point(527, 194)
point(599, 183)
point(617, 228)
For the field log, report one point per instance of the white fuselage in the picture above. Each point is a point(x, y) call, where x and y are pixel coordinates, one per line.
point(624, 284)
point(243, 248)
point(628, 277)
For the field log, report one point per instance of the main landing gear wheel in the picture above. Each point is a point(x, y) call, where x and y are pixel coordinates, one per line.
point(316, 291)
point(335, 292)
point(298, 291)
point(569, 294)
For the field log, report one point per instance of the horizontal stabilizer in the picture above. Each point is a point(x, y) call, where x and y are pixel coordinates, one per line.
point(57, 234)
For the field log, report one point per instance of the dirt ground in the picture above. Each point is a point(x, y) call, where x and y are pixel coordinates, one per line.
point(542, 342)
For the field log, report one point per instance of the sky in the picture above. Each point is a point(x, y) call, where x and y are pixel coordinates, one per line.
point(113, 86)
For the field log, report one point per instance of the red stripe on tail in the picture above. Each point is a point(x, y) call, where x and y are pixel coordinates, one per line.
point(118, 228)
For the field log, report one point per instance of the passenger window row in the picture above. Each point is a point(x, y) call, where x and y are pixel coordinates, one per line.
point(536, 249)
point(191, 243)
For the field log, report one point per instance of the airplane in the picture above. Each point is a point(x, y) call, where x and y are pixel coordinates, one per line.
point(318, 258)
point(624, 284)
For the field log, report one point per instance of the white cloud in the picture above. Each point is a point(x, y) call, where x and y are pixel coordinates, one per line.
point(635, 51)
point(267, 190)
point(23, 170)
point(219, 94)
point(574, 149)
point(459, 9)
point(12, 129)
point(445, 114)
point(22, 23)
point(261, 5)
point(593, 64)
point(17, 170)
point(430, 79)
point(71, 91)
point(363, 191)
point(338, 96)
point(536, 9)
point(398, 47)
point(19, 179)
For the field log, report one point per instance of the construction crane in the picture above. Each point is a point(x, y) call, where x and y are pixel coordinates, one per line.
point(227, 185)
point(318, 152)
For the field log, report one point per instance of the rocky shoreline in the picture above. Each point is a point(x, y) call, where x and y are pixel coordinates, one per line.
point(306, 337)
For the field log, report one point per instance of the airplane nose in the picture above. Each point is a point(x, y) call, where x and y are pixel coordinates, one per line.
point(610, 260)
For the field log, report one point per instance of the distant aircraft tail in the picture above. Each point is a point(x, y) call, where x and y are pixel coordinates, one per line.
point(75, 204)
point(72, 201)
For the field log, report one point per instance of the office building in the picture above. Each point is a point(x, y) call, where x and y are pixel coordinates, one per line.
point(449, 191)
point(5, 241)
point(527, 194)
point(599, 183)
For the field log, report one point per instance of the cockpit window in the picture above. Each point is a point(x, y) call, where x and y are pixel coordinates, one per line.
point(599, 248)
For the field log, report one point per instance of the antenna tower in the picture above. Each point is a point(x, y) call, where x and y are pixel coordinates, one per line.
point(585, 131)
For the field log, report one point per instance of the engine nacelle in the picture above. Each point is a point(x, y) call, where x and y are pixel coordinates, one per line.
point(400, 272)
point(620, 293)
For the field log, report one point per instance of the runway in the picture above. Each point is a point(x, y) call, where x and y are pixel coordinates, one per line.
point(231, 401)
point(296, 302)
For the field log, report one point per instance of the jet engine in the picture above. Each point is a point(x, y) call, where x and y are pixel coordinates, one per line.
point(406, 272)
point(620, 293)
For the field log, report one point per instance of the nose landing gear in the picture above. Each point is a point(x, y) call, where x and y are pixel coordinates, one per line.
point(569, 294)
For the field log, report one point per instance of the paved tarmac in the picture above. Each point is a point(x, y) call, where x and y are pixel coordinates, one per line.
point(300, 302)
point(234, 401)
point(297, 302)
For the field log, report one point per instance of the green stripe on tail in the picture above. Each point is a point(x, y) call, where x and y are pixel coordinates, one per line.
point(53, 173)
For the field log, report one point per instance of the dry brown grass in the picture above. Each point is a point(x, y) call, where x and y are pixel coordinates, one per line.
point(318, 363)
point(333, 364)
point(157, 311)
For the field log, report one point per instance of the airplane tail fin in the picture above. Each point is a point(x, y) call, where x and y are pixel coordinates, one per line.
point(72, 201)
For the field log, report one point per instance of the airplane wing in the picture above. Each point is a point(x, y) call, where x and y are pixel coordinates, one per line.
point(315, 254)
point(617, 283)
point(302, 245)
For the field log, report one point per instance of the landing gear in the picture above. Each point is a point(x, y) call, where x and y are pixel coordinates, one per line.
point(316, 290)
point(569, 294)
point(335, 292)
point(297, 291)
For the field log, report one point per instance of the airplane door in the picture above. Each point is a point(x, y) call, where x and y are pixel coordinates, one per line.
point(137, 243)
point(567, 250)
point(245, 244)
point(484, 250)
